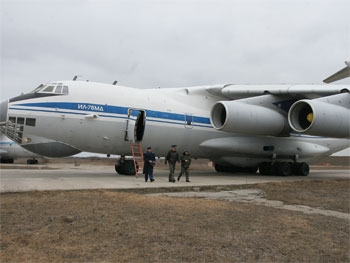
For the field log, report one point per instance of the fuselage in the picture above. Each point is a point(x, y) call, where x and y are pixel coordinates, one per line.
point(104, 118)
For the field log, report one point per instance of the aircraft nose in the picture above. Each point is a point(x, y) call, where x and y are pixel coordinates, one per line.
point(3, 111)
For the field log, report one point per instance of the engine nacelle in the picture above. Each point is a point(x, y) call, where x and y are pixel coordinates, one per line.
point(329, 116)
point(238, 117)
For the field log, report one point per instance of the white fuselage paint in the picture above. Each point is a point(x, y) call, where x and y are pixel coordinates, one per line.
point(93, 117)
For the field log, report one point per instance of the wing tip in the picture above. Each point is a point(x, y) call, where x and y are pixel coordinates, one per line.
point(341, 74)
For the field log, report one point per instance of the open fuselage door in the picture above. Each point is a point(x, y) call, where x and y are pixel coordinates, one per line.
point(135, 125)
point(134, 131)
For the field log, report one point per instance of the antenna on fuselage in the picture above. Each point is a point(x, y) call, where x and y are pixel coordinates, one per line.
point(75, 77)
point(115, 82)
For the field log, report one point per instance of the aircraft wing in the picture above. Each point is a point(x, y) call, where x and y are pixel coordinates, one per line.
point(231, 91)
point(341, 74)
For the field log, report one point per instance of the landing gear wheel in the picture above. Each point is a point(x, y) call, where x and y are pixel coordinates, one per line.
point(235, 169)
point(32, 161)
point(301, 169)
point(6, 160)
point(219, 168)
point(284, 169)
point(125, 168)
point(252, 170)
point(265, 168)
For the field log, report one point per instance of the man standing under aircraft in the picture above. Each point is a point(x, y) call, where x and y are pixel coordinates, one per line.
point(172, 157)
point(185, 165)
point(149, 161)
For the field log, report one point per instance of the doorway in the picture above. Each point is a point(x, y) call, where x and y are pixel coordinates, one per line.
point(135, 125)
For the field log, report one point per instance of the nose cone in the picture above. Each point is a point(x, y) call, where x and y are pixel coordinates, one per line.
point(3, 111)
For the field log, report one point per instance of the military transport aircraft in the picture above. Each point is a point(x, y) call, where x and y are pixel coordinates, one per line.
point(9, 150)
point(274, 128)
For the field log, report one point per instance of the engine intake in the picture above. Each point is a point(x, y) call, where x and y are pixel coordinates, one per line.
point(329, 116)
point(238, 117)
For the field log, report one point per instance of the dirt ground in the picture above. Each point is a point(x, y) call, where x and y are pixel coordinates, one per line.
point(112, 226)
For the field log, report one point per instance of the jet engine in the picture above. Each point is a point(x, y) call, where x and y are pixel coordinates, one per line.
point(328, 116)
point(240, 117)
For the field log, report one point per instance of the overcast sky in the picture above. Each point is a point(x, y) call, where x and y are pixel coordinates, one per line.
point(149, 44)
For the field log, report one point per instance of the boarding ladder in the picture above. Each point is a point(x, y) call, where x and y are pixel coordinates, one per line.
point(137, 156)
point(13, 130)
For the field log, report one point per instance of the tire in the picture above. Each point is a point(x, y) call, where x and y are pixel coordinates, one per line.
point(6, 160)
point(219, 168)
point(235, 169)
point(126, 168)
point(302, 169)
point(265, 168)
point(284, 169)
point(31, 161)
point(252, 170)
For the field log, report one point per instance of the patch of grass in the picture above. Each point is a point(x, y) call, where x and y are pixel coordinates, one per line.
point(110, 226)
point(325, 194)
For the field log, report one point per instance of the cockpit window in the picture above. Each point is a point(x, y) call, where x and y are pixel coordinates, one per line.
point(59, 89)
point(65, 90)
point(48, 89)
point(55, 88)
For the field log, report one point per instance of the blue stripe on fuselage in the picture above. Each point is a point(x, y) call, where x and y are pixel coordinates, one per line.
point(102, 109)
point(7, 143)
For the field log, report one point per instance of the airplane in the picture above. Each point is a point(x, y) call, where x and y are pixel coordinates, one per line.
point(276, 129)
point(9, 150)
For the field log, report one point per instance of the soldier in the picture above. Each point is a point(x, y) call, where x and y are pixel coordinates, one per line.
point(185, 165)
point(172, 157)
point(149, 161)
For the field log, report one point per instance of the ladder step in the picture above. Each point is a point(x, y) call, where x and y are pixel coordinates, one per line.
point(137, 154)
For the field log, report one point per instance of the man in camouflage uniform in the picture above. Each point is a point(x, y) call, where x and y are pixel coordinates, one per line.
point(172, 157)
point(185, 165)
